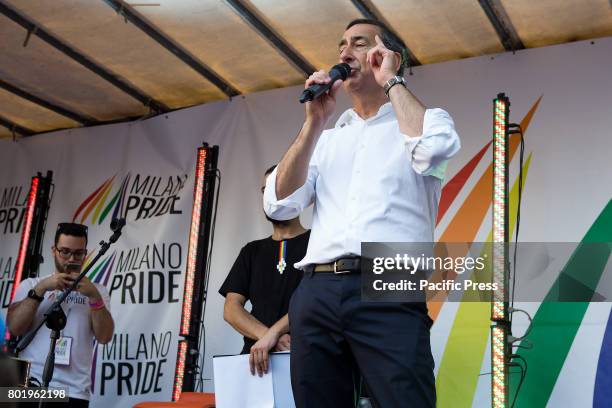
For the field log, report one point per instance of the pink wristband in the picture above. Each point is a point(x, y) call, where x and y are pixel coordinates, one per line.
point(98, 304)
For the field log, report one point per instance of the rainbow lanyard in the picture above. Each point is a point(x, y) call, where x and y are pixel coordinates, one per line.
point(282, 251)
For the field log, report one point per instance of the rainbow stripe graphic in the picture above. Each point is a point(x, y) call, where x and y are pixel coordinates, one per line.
point(282, 264)
point(97, 206)
point(102, 271)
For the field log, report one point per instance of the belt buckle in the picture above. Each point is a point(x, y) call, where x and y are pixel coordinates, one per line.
point(339, 272)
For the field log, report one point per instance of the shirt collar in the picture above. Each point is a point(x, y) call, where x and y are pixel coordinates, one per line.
point(350, 116)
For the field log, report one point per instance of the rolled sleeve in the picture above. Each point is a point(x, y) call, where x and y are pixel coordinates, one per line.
point(438, 143)
point(292, 205)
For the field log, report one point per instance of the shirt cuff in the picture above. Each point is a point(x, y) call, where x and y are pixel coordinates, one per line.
point(290, 206)
point(438, 142)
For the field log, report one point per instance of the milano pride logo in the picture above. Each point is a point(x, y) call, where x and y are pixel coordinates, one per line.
point(142, 280)
point(136, 197)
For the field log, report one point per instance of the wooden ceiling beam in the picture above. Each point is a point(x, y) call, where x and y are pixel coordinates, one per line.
point(275, 39)
point(165, 41)
point(76, 116)
point(13, 127)
point(502, 24)
point(35, 29)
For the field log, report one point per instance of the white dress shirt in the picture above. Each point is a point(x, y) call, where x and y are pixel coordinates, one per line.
point(369, 183)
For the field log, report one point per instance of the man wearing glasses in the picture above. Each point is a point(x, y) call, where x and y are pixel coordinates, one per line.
point(88, 317)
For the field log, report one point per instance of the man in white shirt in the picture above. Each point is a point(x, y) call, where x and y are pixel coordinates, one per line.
point(88, 317)
point(375, 177)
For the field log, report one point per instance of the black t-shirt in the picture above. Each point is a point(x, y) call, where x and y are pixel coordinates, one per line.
point(256, 276)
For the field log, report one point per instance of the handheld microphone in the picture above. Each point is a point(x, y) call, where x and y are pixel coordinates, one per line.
point(338, 72)
point(73, 267)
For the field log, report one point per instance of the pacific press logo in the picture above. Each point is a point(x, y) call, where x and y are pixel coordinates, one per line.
point(135, 197)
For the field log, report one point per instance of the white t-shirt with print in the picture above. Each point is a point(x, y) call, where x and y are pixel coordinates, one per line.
point(77, 375)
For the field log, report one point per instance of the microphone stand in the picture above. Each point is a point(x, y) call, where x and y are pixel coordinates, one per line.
point(55, 318)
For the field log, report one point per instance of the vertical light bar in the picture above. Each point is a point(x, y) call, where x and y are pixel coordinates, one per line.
point(499, 393)
point(500, 202)
point(25, 235)
point(196, 280)
point(192, 253)
point(194, 234)
point(179, 372)
point(499, 306)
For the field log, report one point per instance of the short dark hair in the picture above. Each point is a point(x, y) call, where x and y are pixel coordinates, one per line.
point(270, 170)
point(72, 229)
point(389, 38)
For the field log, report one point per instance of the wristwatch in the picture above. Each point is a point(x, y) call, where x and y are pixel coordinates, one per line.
point(33, 295)
point(392, 82)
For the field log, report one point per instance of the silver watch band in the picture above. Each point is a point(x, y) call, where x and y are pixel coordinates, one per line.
point(392, 82)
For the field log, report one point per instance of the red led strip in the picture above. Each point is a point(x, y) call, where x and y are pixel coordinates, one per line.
point(193, 242)
point(180, 370)
point(25, 236)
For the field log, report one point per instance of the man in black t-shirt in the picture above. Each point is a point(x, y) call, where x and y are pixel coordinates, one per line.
point(264, 274)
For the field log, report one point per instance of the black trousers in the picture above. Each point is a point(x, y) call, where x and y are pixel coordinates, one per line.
point(331, 328)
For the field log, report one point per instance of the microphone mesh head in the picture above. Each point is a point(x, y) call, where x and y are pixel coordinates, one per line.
point(343, 69)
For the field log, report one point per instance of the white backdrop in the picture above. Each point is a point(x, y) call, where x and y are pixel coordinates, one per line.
point(570, 174)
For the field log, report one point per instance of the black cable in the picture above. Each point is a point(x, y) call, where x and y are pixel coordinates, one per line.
point(518, 216)
point(512, 310)
point(212, 231)
point(199, 368)
point(518, 346)
point(514, 261)
point(202, 357)
point(202, 332)
point(523, 376)
point(519, 357)
point(51, 194)
point(490, 373)
point(200, 364)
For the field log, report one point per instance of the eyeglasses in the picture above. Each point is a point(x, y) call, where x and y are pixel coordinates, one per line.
point(66, 253)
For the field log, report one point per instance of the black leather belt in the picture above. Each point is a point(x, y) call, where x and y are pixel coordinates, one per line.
point(340, 266)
